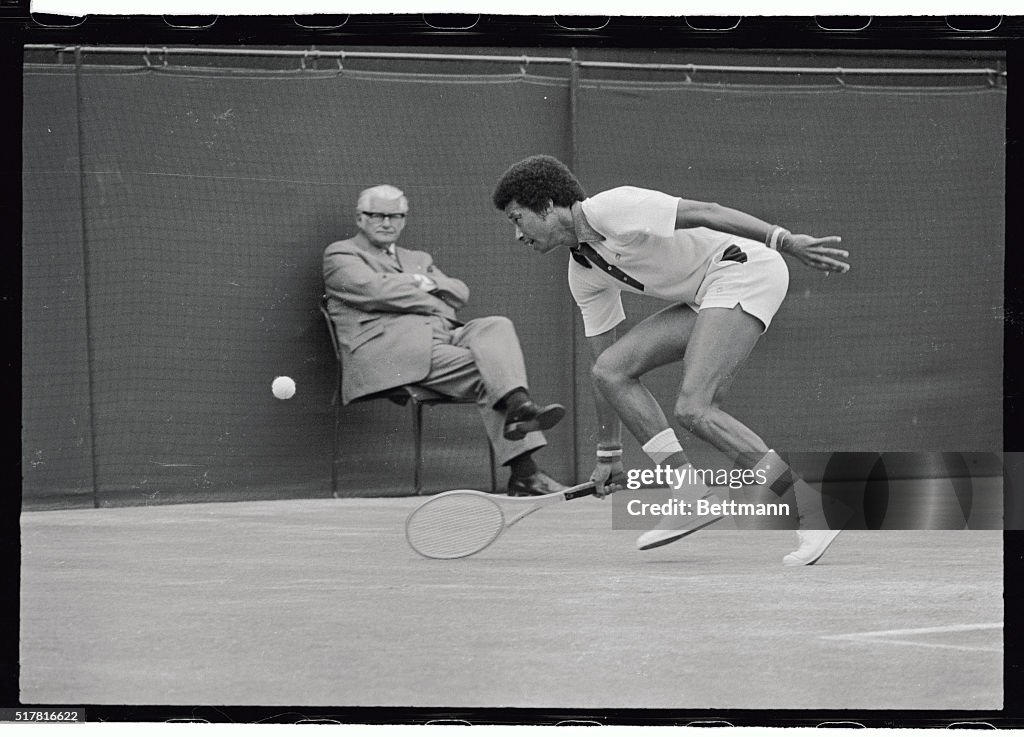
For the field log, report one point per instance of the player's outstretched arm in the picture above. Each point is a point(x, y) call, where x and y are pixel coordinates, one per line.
point(817, 253)
point(823, 254)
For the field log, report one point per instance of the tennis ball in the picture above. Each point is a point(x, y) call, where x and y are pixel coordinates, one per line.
point(283, 387)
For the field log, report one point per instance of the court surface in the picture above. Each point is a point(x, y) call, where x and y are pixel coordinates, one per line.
point(321, 602)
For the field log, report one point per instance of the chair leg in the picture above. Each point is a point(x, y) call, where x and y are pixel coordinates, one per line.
point(494, 467)
point(334, 440)
point(417, 439)
point(417, 436)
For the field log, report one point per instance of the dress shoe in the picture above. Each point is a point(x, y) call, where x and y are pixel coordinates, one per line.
point(530, 416)
point(534, 485)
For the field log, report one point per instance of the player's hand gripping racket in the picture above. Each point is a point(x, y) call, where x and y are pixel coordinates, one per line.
point(460, 523)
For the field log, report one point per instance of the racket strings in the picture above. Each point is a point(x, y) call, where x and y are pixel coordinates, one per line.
point(454, 525)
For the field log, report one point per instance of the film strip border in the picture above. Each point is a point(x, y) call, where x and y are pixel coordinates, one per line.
point(847, 32)
point(481, 29)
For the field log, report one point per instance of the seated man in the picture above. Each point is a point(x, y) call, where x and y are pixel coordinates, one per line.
point(394, 313)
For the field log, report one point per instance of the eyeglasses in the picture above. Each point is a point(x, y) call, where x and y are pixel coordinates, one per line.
point(379, 217)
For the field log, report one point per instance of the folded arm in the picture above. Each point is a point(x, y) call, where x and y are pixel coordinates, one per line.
point(453, 291)
point(348, 277)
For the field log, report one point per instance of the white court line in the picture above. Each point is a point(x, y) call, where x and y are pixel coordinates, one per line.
point(887, 636)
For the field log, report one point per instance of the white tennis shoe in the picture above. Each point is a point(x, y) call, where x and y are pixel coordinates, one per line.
point(672, 527)
point(813, 544)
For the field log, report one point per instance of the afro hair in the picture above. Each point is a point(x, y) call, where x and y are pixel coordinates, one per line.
point(535, 180)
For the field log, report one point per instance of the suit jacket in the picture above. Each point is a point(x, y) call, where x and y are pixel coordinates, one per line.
point(383, 319)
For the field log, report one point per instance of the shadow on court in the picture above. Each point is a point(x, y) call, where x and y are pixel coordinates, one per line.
point(321, 602)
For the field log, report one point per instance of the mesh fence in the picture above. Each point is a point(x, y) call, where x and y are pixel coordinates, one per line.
point(174, 221)
point(904, 352)
point(56, 415)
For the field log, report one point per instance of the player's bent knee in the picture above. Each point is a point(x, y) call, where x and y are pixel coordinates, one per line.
point(693, 415)
point(606, 373)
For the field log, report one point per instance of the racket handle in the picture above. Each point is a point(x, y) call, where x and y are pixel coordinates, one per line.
point(576, 492)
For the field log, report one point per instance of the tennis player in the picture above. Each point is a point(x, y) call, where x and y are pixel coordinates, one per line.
point(723, 273)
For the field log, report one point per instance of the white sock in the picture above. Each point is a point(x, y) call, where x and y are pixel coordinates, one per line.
point(662, 445)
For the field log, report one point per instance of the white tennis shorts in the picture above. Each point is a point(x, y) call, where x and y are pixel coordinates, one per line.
point(758, 286)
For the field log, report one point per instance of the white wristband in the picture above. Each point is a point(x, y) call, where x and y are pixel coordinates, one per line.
point(609, 453)
point(776, 238)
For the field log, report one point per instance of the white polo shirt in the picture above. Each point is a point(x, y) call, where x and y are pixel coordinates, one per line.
point(634, 230)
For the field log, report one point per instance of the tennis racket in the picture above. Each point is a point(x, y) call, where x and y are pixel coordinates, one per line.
point(461, 523)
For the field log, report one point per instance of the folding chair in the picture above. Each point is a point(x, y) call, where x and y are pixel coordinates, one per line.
point(415, 396)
